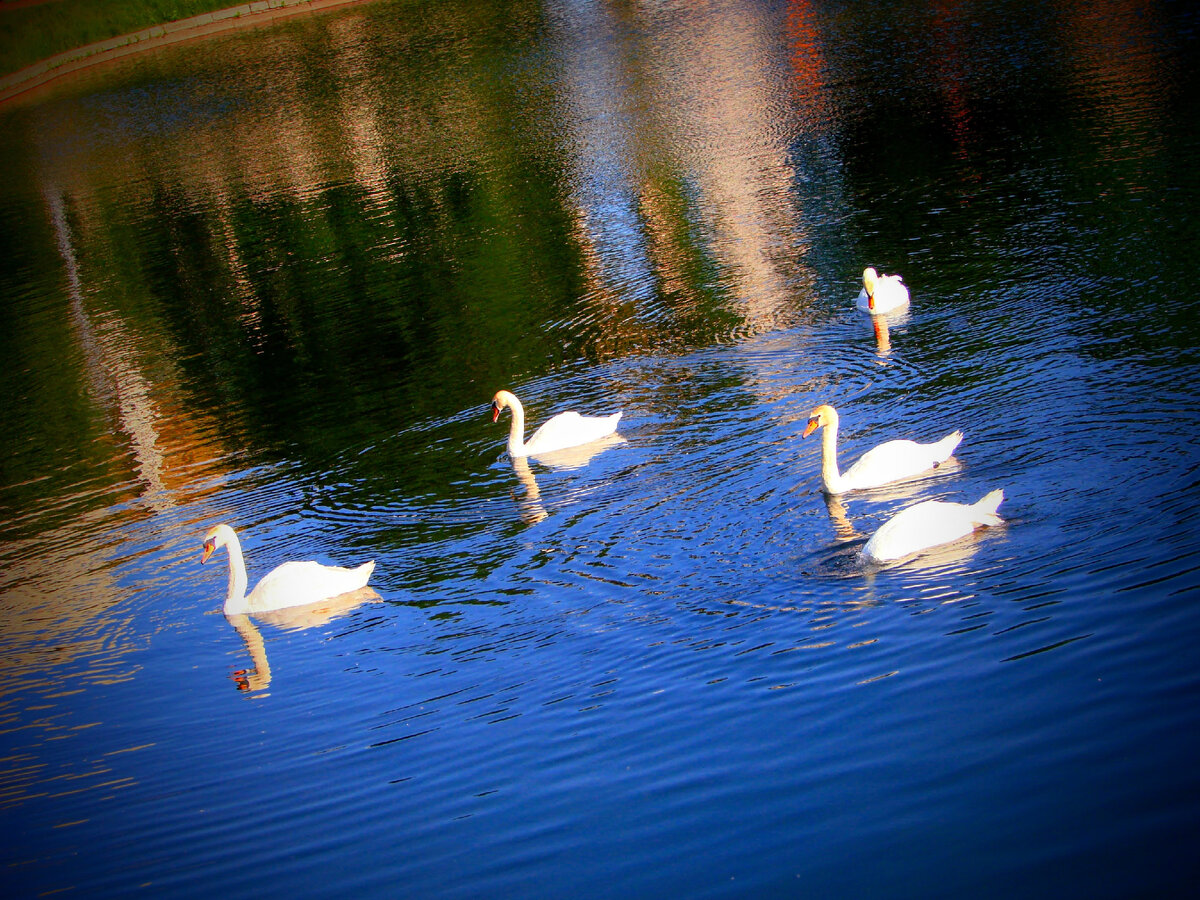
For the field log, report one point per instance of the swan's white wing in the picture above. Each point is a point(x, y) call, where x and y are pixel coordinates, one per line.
point(896, 460)
point(930, 524)
point(918, 528)
point(890, 293)
point(297, 583)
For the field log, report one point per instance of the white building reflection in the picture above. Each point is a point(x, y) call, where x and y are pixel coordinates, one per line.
point(678, 139)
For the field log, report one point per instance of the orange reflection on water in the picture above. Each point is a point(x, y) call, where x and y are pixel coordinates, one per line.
point(1119, 68)
point(812, 97)
point(950, 66)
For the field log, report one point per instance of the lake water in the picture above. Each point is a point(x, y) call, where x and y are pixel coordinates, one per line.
point(274, 278)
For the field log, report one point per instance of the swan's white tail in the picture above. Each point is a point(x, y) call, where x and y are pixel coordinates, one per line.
point(365, 570)
point(947, 445)
point(984, 512)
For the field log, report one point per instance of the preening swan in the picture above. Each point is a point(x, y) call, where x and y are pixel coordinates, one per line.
point(890, 461)
point(568, 429)
point(289, 584)
point(929, 524)
point(881, 293)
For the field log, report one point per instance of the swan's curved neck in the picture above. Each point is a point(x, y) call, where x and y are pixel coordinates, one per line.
point(516, 429)
point(829, 466)
point(235, 598)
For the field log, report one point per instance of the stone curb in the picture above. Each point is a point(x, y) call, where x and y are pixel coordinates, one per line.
point(202, 25)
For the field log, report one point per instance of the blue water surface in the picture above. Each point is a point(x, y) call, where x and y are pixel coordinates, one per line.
point(274, 278)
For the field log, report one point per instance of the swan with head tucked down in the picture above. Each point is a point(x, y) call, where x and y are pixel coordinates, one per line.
point(568, 429)
point(929, 524)
point(890, 461)
point(881, 293)
point(289, 584)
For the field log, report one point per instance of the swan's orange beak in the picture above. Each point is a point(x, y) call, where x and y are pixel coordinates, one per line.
point(813, 425)
point(871, 302)
point(495, 411)
point(209, 547)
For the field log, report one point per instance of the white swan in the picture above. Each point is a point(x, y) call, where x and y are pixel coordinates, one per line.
point(881, 293)
point(929, 524)
point(289, 584)
point(890, 461)
point(568, 429)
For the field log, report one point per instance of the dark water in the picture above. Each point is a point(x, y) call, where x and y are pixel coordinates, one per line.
point(274, 279)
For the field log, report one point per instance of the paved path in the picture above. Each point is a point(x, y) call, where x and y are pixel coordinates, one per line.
point(248, 14)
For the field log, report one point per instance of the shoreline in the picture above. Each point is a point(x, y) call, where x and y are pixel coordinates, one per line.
point(247, 14)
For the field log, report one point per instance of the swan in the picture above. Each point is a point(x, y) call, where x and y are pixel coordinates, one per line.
point(881, 293)
point(289, 584)
point(568, 429)
point(929, 524)
point(890, 461)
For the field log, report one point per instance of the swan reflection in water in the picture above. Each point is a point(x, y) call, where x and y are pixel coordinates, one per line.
point(883, 343)
point(532, 510)
point(842, 526)
point(881, 324)
point(293, 618)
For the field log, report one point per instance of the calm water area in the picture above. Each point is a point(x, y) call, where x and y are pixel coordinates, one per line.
point(274, 278)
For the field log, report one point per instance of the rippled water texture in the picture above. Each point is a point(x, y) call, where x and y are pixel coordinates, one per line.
point(274, 279)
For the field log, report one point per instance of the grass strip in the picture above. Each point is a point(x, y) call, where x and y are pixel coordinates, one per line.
point(33, 32)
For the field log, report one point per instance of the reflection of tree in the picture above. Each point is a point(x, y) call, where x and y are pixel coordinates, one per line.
point(807, 59)
point(118, 352)
point(950, 69)
point(264, 217)
point(113, 369)
point(1119, 68)
point(265, 212)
